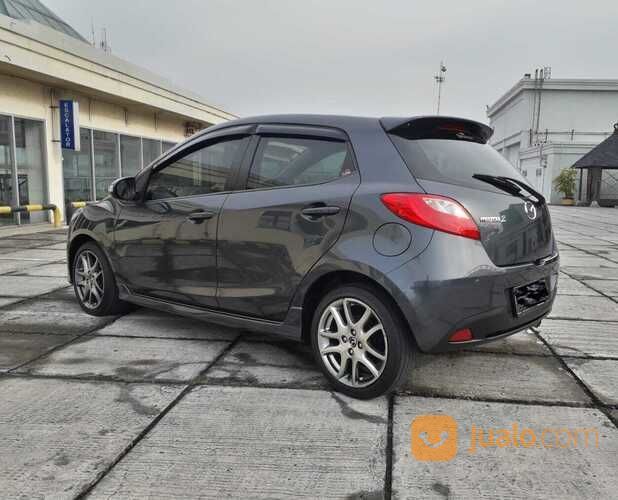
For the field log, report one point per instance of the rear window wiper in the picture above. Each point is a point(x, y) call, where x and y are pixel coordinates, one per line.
point(510, 185)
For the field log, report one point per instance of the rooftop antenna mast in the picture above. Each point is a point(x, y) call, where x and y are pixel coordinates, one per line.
point(104, 43)
point(94, 42)
point(440, 79)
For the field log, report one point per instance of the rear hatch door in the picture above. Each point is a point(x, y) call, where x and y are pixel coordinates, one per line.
point(451, 157)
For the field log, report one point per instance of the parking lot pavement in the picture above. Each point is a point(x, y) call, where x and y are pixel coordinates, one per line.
point(149, 404)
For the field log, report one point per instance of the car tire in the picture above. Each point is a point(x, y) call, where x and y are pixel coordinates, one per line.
point(383, 332)
point(99, 295)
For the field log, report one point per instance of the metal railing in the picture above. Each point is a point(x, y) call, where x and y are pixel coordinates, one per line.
point(57, 218)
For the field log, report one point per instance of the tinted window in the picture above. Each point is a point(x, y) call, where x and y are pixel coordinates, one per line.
point(203, 171)
point(289, 161)
point(453, 161)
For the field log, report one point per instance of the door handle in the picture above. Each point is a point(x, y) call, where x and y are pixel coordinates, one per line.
point(316, 212)
point(198, 217)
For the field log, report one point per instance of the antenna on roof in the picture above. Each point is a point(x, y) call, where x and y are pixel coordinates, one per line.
point(440, 78)
point(94, 42)
point(104, 44)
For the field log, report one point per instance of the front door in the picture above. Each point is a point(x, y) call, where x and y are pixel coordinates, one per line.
point(292, 210)
point(165, 246)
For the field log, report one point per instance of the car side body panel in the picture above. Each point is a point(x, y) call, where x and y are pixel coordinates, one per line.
point(440, 282)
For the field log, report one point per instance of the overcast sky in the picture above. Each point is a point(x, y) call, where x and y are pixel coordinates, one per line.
point(361, 57)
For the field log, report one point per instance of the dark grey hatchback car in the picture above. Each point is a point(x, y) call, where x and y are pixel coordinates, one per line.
point(369, 239)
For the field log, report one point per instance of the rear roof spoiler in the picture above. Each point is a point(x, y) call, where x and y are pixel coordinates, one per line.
point(438, 127)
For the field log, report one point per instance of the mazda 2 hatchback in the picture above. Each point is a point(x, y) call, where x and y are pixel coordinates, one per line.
point(368, 239)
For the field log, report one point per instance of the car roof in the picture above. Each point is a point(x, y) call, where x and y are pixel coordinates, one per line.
point(337, 121)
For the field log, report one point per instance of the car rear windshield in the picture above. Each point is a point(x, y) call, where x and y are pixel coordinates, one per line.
point(453, 161)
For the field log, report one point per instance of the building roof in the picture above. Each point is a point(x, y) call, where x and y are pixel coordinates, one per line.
point(36, 51)
point(605, 155)
point(566, 84)
point(33, 10)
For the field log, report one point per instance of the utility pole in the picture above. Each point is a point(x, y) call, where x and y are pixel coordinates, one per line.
point(440, 78)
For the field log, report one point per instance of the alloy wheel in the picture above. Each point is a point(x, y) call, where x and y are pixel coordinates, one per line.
point(352, 342)
point(89, 280)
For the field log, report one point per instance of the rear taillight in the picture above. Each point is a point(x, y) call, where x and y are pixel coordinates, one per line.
point(433, 211)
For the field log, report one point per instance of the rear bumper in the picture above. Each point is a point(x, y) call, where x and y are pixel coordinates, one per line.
point(453, 285)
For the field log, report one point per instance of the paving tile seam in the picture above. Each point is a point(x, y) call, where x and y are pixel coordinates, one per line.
point(389, 451)
point(497, 351)
point(95, 378)
point(579, 219)
point(21, 273)
point(47, 334)
point(42, 263)
point(88, 488)
point(591, 358)
point(599, 405)
point(27, 259)
point(59, 346)
point(24, 299)
point(263, 386)
point(583, 282)
point(569, 318)
point(485, 399)
point(538, 355)
point(403, 393)
point(157, 337)
point(587, 251)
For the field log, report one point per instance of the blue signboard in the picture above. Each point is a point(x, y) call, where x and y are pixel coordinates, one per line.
point(69, 125)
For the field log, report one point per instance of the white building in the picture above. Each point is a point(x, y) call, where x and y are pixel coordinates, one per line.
point(127, 115)
point(543, 125)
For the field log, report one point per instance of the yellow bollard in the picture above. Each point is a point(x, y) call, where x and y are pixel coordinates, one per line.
point(57, 217)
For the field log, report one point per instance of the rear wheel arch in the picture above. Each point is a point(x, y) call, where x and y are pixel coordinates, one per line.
point(329, 281)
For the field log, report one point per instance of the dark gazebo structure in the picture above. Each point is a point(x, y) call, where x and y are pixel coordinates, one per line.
point(602, 166)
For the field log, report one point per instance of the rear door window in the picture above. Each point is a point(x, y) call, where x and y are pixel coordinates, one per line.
point(454, 161)
point(290, 161)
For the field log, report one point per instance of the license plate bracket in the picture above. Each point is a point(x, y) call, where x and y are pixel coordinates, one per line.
point(529, 296)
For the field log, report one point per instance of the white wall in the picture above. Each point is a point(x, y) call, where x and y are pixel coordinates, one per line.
point(578, 115)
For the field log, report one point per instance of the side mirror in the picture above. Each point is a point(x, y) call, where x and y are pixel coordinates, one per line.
point(123, 189)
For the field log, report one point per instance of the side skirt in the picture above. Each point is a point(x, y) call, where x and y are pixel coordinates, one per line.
point(290, 328)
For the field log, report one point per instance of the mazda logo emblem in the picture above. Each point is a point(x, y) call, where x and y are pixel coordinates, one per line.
point(530, 210)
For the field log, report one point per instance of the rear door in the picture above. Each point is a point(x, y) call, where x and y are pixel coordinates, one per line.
point(450, 157)
point(289, 209)
point(166, 243)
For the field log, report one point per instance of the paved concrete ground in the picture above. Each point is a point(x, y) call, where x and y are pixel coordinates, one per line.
point(151, 405)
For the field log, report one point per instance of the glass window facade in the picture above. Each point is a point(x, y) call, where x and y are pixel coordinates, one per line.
point(87, 174)
point(77, 170)
point(112, 155)
point(105, 161)
point(22, 163)
point(30, 160)
point(6, 170)
point(152, 150)
point(167, 145)
point(130, 155)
